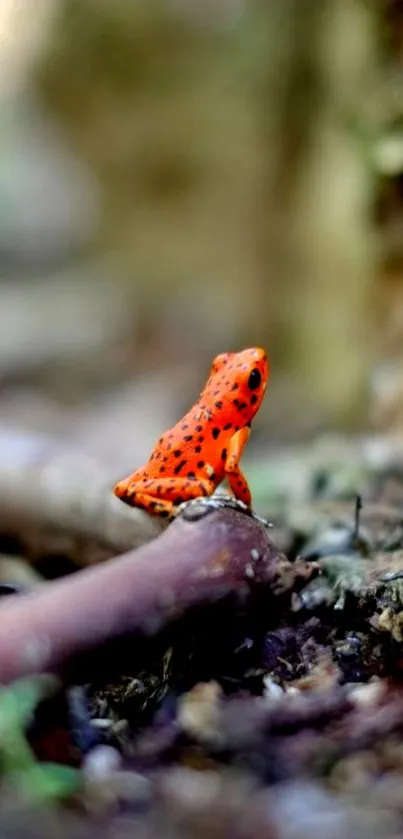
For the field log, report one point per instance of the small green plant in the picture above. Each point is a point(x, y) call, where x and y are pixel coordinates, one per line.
point(38, 782)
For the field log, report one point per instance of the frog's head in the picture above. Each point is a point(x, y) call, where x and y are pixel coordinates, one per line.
point(240, 381)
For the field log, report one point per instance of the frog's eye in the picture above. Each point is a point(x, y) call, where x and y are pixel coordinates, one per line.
point(255, 379)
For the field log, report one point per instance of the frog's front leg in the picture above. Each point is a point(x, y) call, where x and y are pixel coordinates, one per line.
point(233, 474)
point(161, 496)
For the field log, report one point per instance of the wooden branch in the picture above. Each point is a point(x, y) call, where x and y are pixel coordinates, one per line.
point(55, 499)
point(192, 563)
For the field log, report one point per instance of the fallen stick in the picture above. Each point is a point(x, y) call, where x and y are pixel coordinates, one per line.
point(193, 562)
point(56, 499)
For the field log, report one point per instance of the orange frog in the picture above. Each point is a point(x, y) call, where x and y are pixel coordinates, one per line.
point(193, 457)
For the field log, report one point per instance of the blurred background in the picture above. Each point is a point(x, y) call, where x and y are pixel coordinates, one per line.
point(186, 177)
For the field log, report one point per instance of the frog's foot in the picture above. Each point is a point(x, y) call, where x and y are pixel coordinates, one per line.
point(199, 507)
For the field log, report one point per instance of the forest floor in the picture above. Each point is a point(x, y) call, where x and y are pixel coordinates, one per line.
point(209, 676)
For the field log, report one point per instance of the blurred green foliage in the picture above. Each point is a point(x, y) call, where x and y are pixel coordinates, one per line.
point(39, 783)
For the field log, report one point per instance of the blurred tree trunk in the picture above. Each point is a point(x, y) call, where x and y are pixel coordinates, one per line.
point(330, 258)
point(236, 199)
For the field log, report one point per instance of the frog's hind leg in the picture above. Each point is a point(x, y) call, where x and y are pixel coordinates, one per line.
point(160, 496)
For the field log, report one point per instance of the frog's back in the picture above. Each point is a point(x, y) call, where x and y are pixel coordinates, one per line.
point(197, 445)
